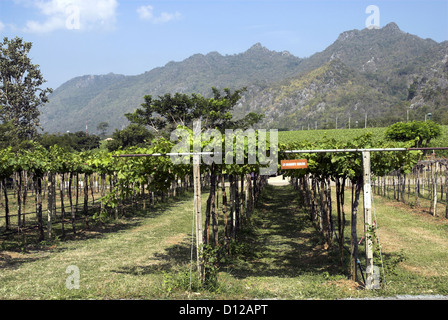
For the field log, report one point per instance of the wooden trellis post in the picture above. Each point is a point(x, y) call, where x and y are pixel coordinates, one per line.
point(198, 210)
point(371, 283)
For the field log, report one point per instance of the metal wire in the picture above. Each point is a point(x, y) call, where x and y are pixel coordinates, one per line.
point(192, 242)
point(378, 237)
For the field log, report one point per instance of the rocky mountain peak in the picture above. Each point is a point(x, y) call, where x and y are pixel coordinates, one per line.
point(257, 48)
point(391, 27)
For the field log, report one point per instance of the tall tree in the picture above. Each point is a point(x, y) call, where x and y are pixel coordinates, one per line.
point(169, 111)
point(20, 92)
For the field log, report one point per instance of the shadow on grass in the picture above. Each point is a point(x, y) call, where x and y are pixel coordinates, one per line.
point(172, 258)
point(282, 241)
point(17, 249)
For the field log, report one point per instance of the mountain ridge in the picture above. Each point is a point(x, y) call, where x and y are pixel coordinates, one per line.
point(381, 64)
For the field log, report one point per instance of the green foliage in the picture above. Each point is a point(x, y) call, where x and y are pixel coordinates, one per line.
point(212, 258)
point(102, 127)
point(77, 141)
point(20, 82)
point(134, 135)
point(168, 112)
point(6, 135)
point(6, 163)
point(421, 132)
point(349, 164)
point(181, 280)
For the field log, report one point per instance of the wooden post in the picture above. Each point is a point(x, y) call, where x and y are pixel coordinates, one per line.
point(198, 210)
point(434, 188)
point(417, 184)
point(354, 235)
point(446, 190)
point(370, 283)
point(49, 206)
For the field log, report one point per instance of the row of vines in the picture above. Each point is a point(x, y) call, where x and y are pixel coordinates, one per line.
point(42, 188)
point(343, 170)
point(68, 180)
point(424, 187)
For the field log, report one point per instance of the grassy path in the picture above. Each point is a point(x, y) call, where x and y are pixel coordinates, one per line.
point(284, 257)
point(419, 241)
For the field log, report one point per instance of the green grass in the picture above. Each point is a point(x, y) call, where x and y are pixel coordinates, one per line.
point(280, 256)
point(418, 236)
point(119, 259)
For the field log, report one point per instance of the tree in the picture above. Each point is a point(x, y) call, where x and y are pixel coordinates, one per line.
point(20, 92)
point(85, 141)
point(420, 131)
point(50, 139)
point(134, 135)
point(412, 90)
point(5, 137)
point(77, 141)
point(102, 128)
point(170, 111)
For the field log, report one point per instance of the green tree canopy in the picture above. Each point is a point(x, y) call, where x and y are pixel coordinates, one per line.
point(20, 92)
point(170, 111)
point(134, 135)
point(5, 129)
point(420, 131)
point(77, 141)
point(102, 128)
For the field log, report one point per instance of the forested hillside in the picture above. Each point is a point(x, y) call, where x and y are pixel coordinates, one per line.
point(385, 75)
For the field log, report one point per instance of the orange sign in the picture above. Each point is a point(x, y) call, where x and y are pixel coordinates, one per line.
point(294, 164)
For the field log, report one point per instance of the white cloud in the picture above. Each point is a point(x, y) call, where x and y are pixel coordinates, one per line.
point(147, 13)
point(73, 14)
point(2, 26)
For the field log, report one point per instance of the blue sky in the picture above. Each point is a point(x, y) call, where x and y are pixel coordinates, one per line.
point(78, 37)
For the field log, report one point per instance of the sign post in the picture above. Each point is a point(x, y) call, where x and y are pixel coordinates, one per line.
point(294, 164)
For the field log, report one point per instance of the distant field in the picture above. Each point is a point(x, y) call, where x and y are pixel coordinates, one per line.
point(347, 135)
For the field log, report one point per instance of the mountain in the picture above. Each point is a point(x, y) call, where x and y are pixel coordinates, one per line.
point(94, 99)
point(382, 73)
point(382, 50)
point(330, 91)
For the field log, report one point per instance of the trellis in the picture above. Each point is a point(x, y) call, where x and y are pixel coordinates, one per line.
point(371, 277)
point(197, 206)
point(367, 186)
point(428, 179)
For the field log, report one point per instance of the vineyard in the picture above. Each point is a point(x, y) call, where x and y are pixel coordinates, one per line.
point(350, 134)
point(49, 195)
